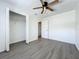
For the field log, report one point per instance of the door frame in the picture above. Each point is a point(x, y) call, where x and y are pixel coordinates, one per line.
point(7, 35)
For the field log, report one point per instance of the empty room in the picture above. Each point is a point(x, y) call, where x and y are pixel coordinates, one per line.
point(39, 29)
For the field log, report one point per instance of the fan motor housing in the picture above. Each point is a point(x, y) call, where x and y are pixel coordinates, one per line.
point(45, 3)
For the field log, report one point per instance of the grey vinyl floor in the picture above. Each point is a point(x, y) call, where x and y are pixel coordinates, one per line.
point(41, 49)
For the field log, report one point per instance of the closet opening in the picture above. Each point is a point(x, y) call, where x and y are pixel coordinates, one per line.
point(17, 29)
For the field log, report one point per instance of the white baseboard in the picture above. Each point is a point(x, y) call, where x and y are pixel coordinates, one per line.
point(33, 39)
point(77, 47)
point(2, 51)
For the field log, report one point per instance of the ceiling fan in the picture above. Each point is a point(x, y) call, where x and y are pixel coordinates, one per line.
point(47, 5)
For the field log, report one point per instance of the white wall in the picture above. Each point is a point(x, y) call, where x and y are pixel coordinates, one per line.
point(45, 28)
point(4, 24)
point(17, 27)
point(62, 27)
point(33, 28)
point(2, 28)
point(32, 24)
point(77, 27)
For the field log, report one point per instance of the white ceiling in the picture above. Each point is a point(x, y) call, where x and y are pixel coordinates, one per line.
point(28, 5)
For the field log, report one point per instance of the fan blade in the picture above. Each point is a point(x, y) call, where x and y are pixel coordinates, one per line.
point(49, 8)
point(54, 2)
point(42, 11)
point(42, 2)
point(37, 7)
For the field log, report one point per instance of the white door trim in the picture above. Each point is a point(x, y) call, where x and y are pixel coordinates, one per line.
point(7, 27)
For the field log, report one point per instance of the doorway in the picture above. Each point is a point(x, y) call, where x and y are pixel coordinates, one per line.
point(7, 33)
point(39, 29)
point(17, 28)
